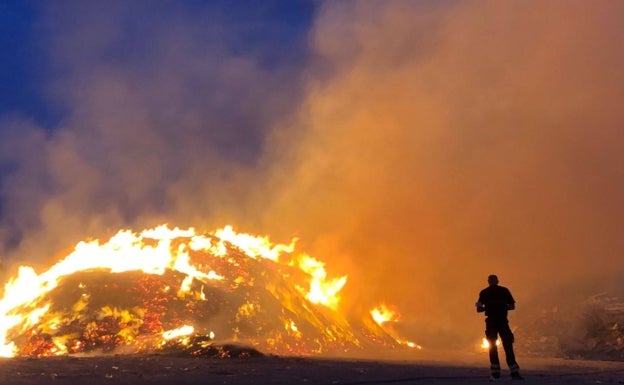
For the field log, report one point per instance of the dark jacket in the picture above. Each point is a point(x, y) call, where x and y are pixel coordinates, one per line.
point(496, 300)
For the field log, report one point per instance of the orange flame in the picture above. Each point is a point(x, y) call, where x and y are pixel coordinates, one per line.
point(321, 291)
point(382, 315)
point(485, 344)
point(179, 332)
point(151, 251)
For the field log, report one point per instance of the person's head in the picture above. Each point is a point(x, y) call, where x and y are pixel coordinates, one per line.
point(492, 280)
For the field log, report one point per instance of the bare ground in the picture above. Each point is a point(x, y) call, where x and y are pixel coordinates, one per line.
point(163, 369)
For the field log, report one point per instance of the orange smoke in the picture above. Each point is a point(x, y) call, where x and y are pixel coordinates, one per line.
point(443, 142)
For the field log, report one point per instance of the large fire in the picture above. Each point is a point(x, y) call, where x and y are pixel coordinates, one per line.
point(164, 288)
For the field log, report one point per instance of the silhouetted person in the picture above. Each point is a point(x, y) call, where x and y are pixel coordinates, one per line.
point(495, 301)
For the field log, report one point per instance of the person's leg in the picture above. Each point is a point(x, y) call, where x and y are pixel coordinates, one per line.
point(507, 338)
point(491, 334)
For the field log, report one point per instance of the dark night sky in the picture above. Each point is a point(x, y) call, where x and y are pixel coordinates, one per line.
point(416, 146)
point(26, 68)
point(22, 61)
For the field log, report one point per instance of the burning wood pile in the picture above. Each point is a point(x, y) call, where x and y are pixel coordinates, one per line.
point(594, 329)
point(171, 290)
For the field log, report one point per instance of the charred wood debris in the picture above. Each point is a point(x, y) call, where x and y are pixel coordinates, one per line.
point(591, 330)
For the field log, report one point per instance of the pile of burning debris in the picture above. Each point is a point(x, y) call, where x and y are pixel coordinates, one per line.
point(593, 330)
point(169, 290)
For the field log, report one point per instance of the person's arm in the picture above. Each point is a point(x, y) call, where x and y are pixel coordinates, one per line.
point(480, 305)
point(511, 303)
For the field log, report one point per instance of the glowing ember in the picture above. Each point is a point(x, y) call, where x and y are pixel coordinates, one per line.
point(143, 292)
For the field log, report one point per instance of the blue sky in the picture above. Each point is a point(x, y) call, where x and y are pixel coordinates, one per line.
point(22, 62)
point(25, 62)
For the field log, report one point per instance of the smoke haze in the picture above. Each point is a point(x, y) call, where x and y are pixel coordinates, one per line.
point(417, 146)
point(163, 116)
point(453, 140)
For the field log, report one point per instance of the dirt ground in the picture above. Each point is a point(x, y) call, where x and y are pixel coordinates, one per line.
point(162, 369)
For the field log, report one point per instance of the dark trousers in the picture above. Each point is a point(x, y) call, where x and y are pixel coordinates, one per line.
point(495, 327)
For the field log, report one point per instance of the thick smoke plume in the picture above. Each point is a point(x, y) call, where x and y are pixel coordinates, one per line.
point(422, 146)
point(165, 112)
point(445, 141)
